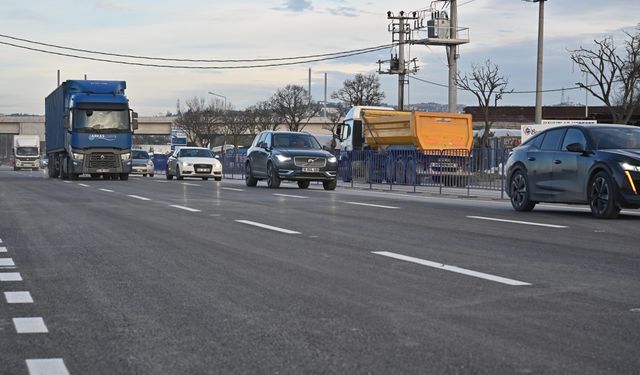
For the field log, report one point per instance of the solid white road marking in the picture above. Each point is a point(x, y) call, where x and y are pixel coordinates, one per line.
point(30, 325)
point(232, 189)
point(18, 297)
point(518, 222)
point(10, 276)
point(107, 190)
point(455, 269)
point(3, 249)
point(85, 185)
point(189, 184)
point(138, 197)
point(185, 208)
point(372, 205)
point(47, 366)
point(6, 262)
point(265, 226)
point(291, 196)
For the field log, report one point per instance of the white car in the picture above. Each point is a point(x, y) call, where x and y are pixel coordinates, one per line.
point(193, 162)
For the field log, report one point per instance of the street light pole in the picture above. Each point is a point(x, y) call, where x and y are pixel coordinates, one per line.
point(221, 96)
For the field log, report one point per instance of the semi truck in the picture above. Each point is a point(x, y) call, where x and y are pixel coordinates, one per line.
point(26, 152)
point(88, 130)
point(379, 143)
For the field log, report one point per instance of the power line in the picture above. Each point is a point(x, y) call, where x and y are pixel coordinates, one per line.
point(192, 60)
point(361, 52)
point(505, 93)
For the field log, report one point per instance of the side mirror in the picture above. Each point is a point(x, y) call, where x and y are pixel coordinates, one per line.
point(134, 120)
point(264, 145)
point(65, 122)
point(339, 132)
point(217, 157)
point(575, 147)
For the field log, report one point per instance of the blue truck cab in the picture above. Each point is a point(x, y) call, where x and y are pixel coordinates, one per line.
point(88, 130)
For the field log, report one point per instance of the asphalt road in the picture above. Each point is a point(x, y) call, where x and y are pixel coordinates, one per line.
point(150, 276)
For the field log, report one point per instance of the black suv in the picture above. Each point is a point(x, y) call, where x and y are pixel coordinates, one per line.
point(293, 156)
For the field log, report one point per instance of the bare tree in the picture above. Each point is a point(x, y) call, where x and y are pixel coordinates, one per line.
point(200, 122)
point(616, 72)
point(262, 117)
point(235, 127)
point(294, 106)
point(362, 90)
point(488, 86)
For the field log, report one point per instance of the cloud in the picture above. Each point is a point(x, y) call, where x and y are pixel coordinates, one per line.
point(296, 6)
point(343, 11)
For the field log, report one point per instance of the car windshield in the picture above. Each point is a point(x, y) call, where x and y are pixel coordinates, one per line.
point(292, 140)
point(616, 138)
point(195, 153)
point(138, 154)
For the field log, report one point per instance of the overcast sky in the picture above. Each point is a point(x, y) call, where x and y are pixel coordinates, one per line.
point(504, 31)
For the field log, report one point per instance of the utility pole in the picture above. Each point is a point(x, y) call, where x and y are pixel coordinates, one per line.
point(401, 33)
point(442, 30)
point(453, 59)
point(538, 114)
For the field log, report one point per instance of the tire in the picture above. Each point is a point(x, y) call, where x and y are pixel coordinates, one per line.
point(150, 174)
point(144, 175)
point(178, 176)
point(304, 184)
point(273, 180)
point(519, 192)
point(248, 176)
point(124, 176)
point(329, 185)
point(205, 178)
point(602, 196)
point(63, 175)
point(218, 178)
point(168, 174)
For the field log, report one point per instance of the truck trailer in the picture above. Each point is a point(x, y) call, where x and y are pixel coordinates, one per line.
point(381, 144)
point(88, 128)
point(26, 152)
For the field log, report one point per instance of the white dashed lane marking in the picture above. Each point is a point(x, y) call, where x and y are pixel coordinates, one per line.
point(6, 262)
point(372, 205)
point(10, 276)
point(107, 190)
point(463, 271)
point(189, 184)
point(139, 197)
point(185, 208)
point(47, 366)
point(232, 189)
point(18, 297)
point(3, 249)
point(84, 185)
point(30, 325)
point(518, 222)
point(290, 196)
point(265, 226)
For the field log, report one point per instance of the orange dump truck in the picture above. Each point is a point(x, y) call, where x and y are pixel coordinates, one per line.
point(403, 147)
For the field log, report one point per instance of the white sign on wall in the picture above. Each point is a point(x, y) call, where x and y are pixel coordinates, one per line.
point(528, 131)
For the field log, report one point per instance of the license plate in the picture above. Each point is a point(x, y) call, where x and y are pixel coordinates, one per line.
point(307, 169)
point(102, 170)
point(202, 170)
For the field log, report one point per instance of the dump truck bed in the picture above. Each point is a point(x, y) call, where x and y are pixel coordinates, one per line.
point(423, 130)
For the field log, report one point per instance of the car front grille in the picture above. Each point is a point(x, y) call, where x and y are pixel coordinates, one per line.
point(103, 160)
point(202, 168)
point(309, 162)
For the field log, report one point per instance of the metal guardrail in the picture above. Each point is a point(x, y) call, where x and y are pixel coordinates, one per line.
point(479, 169)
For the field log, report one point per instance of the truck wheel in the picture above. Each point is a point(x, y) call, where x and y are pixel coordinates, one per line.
point(61, 162)
point(124, 176)
point(150, 174)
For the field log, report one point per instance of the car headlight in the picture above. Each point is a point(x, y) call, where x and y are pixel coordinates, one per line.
point(125, 156)
point(149, 163)
point(77, 156)
point(185, 164)
point(332, 159)
point(216, 163)
point(282, 158)
point(630, 167)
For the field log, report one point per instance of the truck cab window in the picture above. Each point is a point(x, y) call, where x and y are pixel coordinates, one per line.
point(101, 120)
